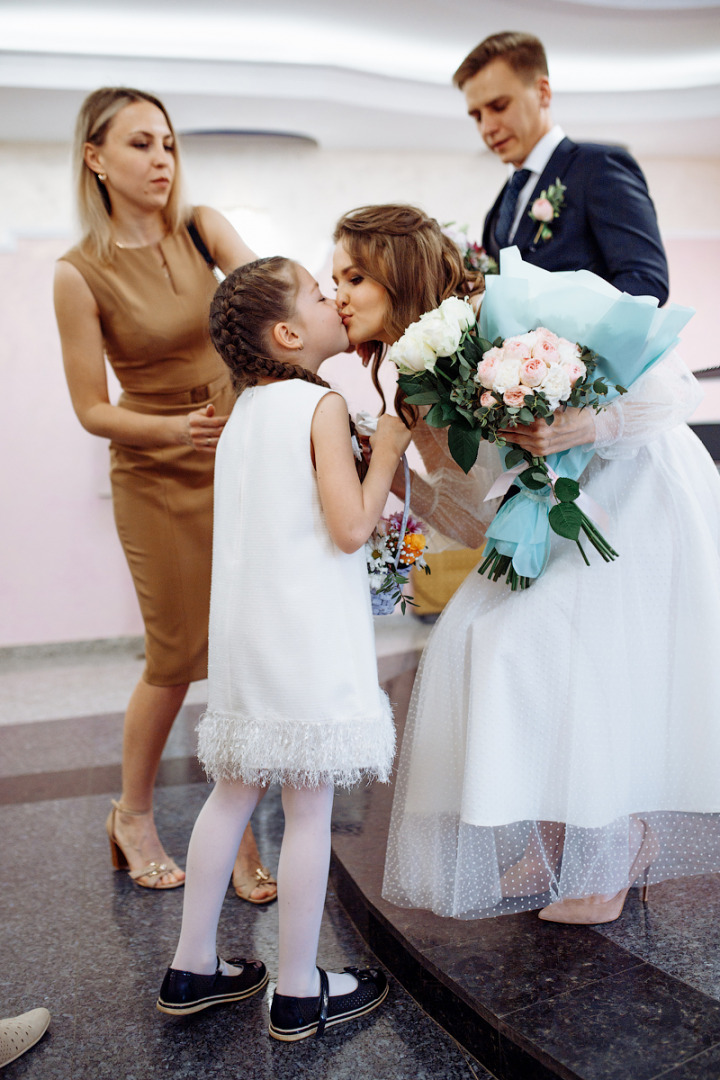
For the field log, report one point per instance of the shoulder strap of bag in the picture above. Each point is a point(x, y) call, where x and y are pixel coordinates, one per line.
point(202, 248)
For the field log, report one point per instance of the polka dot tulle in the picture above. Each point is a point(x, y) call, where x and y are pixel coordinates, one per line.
point(566, 738)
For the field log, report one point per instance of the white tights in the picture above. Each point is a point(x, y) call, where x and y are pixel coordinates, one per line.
point(302, 882)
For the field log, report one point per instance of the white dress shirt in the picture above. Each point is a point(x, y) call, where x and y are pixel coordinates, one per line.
point(536, 161)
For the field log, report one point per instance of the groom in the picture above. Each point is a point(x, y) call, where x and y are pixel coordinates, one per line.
point(605, 219)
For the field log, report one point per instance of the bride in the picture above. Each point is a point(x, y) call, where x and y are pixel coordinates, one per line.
point(562, 742)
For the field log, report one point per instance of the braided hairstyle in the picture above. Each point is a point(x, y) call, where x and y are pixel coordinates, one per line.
point(246, 306)
point(404, 250)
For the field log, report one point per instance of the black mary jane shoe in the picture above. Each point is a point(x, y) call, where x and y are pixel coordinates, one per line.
point(184, 992)
point(294, 1018)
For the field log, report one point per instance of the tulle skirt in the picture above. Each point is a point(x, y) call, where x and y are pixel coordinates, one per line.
point(563, 738)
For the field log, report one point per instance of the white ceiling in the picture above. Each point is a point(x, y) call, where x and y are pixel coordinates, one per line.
point(369, 75)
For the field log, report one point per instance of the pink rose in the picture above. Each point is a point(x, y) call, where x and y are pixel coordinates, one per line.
point(487, 368)
point(515, 350)
point(515, 396)
point(542, 210)
point(546, 350)
point(576, 370)
point(488, 400)
point(533, 371)
point(543, 334)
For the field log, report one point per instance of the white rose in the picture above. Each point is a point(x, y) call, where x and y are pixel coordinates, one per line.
point(556, 384)
point(412, 353)
point(442, 335)
point(458, 310)
point(567, 351)
point(507, 374)
point(444, 326)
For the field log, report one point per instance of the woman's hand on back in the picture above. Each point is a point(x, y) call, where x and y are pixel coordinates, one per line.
point(203, 429)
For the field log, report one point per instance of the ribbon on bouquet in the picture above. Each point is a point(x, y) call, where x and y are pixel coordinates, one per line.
point(584, 501)
point(520, 529)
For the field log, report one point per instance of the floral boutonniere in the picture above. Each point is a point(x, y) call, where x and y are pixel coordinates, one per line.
point(546, 208)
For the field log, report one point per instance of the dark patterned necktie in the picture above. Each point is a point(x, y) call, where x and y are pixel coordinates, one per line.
point(508, 204)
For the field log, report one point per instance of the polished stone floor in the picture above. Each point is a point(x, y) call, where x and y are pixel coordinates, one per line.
point(92, 947)
point(513, 998)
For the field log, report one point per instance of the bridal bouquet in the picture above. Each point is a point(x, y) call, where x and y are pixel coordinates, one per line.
point(387, 571)
point(510, 370)
point(479, 389)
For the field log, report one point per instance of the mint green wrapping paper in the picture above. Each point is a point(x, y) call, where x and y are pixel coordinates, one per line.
point(629, 333)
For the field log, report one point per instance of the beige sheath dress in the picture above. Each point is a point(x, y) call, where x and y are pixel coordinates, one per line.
point(155, 329)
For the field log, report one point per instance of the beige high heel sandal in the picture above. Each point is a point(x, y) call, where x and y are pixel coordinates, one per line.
point(590, 911)
point(154, 871)
point(245, 889)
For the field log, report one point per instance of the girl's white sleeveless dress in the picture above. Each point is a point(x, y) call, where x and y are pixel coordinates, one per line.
point(293, 689)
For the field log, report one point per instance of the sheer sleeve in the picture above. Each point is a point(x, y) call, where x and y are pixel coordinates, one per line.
point(663, 398)
point(447, 499)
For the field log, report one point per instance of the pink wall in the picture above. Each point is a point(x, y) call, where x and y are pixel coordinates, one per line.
point(64, 576)
point(63, 572)
point(695, 281)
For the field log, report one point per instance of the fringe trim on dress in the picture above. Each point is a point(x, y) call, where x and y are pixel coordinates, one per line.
point(297, 753)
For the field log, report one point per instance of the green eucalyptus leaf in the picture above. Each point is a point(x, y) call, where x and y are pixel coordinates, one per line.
point(526, 417)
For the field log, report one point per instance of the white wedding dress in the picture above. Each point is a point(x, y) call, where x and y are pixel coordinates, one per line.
point(554, 731)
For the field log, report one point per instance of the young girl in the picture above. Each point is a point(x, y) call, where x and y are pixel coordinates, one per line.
point(294, 697)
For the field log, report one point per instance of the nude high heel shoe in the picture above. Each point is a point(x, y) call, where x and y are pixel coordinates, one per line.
point(593, 910)
point(261, 878)
point(154, 871)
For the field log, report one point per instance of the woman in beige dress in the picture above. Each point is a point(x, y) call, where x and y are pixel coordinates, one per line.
point(137, 289)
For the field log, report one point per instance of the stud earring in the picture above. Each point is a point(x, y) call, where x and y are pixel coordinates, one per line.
point(102, 177)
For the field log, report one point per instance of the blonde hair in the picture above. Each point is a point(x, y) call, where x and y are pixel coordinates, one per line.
point(246, 306)
point(404, 250)
point(97, 113)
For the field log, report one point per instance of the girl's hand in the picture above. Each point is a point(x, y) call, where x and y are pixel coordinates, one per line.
point(203, 428)
point(391, 432)
point(573, 427)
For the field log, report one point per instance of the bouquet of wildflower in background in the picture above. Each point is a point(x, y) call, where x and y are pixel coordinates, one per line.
point(478, 389)
point(388, 572)
point(475, 257)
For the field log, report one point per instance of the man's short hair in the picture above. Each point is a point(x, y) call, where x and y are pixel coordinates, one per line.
point(524, 53)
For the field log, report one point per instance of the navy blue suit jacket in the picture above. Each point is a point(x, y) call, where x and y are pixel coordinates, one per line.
point(607, 223)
